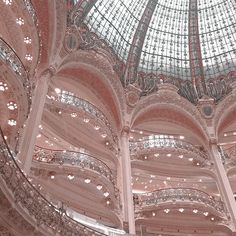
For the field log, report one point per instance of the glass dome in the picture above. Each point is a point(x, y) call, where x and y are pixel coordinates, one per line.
point(166, 46)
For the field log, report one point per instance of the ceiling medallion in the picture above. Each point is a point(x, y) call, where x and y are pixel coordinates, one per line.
point(206, 107)
point(132, 95)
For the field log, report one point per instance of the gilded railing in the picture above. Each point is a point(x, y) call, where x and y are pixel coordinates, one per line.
point(67, 98)
point(166, 143)
point(33, 203)
point(82, 160)
point(8, 55)
point(179, 194)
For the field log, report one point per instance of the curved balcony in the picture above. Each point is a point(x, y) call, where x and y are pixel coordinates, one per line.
point(70, 99)
point(29, 199)
point(82, 160)
point(166, 143)
point(179, 195)
point(8, 55)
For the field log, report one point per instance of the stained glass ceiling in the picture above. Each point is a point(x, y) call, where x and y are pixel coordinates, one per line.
point(165, 49)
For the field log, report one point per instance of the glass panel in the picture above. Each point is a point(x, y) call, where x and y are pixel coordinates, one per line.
point(165, 49)
point(217, 30)
point(116, 21)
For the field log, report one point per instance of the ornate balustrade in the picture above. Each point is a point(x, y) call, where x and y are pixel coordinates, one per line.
point(31, 11)
point(68, 98)
point(178, 194)
point(8, 55)
point(229, 152)
point(166, 143)
point(79, 159)
point(29, 199)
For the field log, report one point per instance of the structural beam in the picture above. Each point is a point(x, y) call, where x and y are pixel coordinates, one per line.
point(137, 43)
point(195, 55)
point(81, 10)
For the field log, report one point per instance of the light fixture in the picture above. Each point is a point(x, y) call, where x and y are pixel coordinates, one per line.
point(167, 211)
point(153, 214)
point(198, 164)
point(59, 112)
point(7, 2)
point(181, 210)
point(20, 21)
point(212, 218)
point(39, 135)
point(181, 137)
point(99, 186)
point(234, 133)
point(195, 211)
point(12, 106)
point(27, 40)
point(107, 143)
point(103, 135)
point(190, 159)
point(156, 154)
point(145, 157)
point(169, 155)
point(70, 176)
point(86, 120)
point(73, 115)
point(28, 57)
point(41, 127)
point(141, 132)
point(5, 137)
point(181, 156)
point(12, 122)
point(108, 202)
point(225, 134)
point(106, 194)
point(206, 213)
point(52, 176)
point(87, 180)
point(96, 127)
point(57, 90)
point(3, 86)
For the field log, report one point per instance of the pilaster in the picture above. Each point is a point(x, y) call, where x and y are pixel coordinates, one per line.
point(33, 122)
point(128, 205)
point(224, 185)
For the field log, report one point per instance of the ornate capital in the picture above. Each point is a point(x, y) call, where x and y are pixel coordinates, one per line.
point(48, 73)
point(125, 130)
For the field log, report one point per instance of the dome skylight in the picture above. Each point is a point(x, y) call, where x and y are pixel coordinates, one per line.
point(166, 46)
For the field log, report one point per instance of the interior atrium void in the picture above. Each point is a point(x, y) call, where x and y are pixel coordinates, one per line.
point(117, 117)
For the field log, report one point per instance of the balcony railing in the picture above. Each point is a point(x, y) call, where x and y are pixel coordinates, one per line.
point(166, 143)
point(82, 160)
point(68, 98)
point(33, 203)
point(178, 194)
point(8, 55)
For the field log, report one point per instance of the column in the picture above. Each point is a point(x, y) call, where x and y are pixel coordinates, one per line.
point(31, 128)
point(128, 205)
point(224, 185)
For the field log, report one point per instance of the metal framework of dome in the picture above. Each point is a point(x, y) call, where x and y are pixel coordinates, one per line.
point(174, 41)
